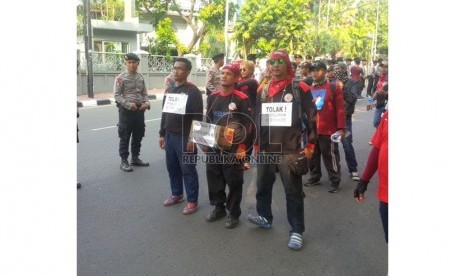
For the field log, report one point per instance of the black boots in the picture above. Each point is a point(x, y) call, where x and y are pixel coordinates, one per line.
point(125, 165)
point(137, 162)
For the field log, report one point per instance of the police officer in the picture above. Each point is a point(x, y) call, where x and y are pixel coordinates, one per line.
point(132, 101)
point(214, 74)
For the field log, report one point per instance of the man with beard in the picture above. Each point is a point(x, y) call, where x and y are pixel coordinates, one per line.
point(230, 109)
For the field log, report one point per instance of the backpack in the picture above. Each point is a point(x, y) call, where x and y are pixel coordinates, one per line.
point(349, 98)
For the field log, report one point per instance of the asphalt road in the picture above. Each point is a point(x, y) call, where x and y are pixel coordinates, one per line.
point(123, 228)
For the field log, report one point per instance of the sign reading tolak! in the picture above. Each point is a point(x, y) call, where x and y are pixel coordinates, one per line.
point(276, 114)
point(175, 103)
point(211, 135)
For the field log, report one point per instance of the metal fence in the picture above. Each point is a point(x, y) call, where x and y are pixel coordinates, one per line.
point(114, 62)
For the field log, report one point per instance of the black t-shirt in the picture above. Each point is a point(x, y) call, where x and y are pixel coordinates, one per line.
point(178, 124)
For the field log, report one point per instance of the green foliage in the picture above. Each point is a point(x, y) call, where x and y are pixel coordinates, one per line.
point(212, 44)
point(155, 9)
point(111, 10)
point(316, 27)
point(165, 42)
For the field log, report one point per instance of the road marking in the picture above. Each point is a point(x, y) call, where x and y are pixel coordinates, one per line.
point(102, 128)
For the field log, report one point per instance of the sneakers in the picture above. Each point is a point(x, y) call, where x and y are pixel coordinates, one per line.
point(174, 199)
point(231, 222)
point(125, 166)
point(295, 241)
point(355, 176)
point(190, 208)
point(312, 182)
point(260, 221)
point(334, 188)
point(216, 213)
point(137, 162)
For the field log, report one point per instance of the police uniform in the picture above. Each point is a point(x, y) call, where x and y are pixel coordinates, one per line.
point(214, 76)
point(130, 89)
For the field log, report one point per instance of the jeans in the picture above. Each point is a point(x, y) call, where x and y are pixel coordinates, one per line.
point(378, 112)
point(266, 176)
point(383, 212)
point(349, 151)
point(178, 172)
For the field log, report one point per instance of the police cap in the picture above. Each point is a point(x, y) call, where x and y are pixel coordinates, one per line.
point(251, 57)
point(217, 57)
point(131, 56)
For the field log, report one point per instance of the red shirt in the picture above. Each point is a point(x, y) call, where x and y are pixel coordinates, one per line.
point(331, 115)
point(380, 141)
point(355, 73)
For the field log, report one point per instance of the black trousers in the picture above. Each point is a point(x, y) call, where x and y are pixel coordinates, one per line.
point(130, 124)
point(220, 174)
point(329, 151)
point(370, 86)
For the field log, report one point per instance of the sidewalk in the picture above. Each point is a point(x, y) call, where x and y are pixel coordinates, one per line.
point(108, 97)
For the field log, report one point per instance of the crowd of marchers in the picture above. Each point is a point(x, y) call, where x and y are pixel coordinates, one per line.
point(298, 110)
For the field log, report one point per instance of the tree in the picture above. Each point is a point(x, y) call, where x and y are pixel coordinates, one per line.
point(211, 17)
point(156, 10)
point(268, 25)
point(111, 10)
point(315, 27)
point(166, 42)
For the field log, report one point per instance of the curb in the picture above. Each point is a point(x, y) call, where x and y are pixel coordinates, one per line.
point(90, 103)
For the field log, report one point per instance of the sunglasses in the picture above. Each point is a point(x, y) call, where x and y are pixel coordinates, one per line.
point(273, 62)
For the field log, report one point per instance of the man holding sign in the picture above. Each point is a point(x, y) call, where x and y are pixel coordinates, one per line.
point(286, 125)
point(182, 103)
point(230, 109)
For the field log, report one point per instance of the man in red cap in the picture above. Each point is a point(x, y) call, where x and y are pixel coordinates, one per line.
point(282, 137)
point(231, 109)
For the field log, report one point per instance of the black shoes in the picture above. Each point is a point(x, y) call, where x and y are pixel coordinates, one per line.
point(231, 222)
point(334, 188)
point(125, 166)
point(216, 214)
point(137, 162)
point(312, 182)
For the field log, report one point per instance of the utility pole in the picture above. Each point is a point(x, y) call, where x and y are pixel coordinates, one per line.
point(226, 32)
point(88, 48)
point(376, 31)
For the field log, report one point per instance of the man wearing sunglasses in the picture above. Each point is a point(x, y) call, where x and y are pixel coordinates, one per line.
point(283, 138)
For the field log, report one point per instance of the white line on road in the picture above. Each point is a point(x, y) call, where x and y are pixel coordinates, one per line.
point(101, 128)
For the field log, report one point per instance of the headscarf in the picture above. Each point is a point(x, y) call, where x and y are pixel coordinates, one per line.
point(341, 75)
point(278, 85)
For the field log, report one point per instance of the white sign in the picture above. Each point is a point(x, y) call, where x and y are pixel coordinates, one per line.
point(204, 133)
point(175, 103)
point(277, 114)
